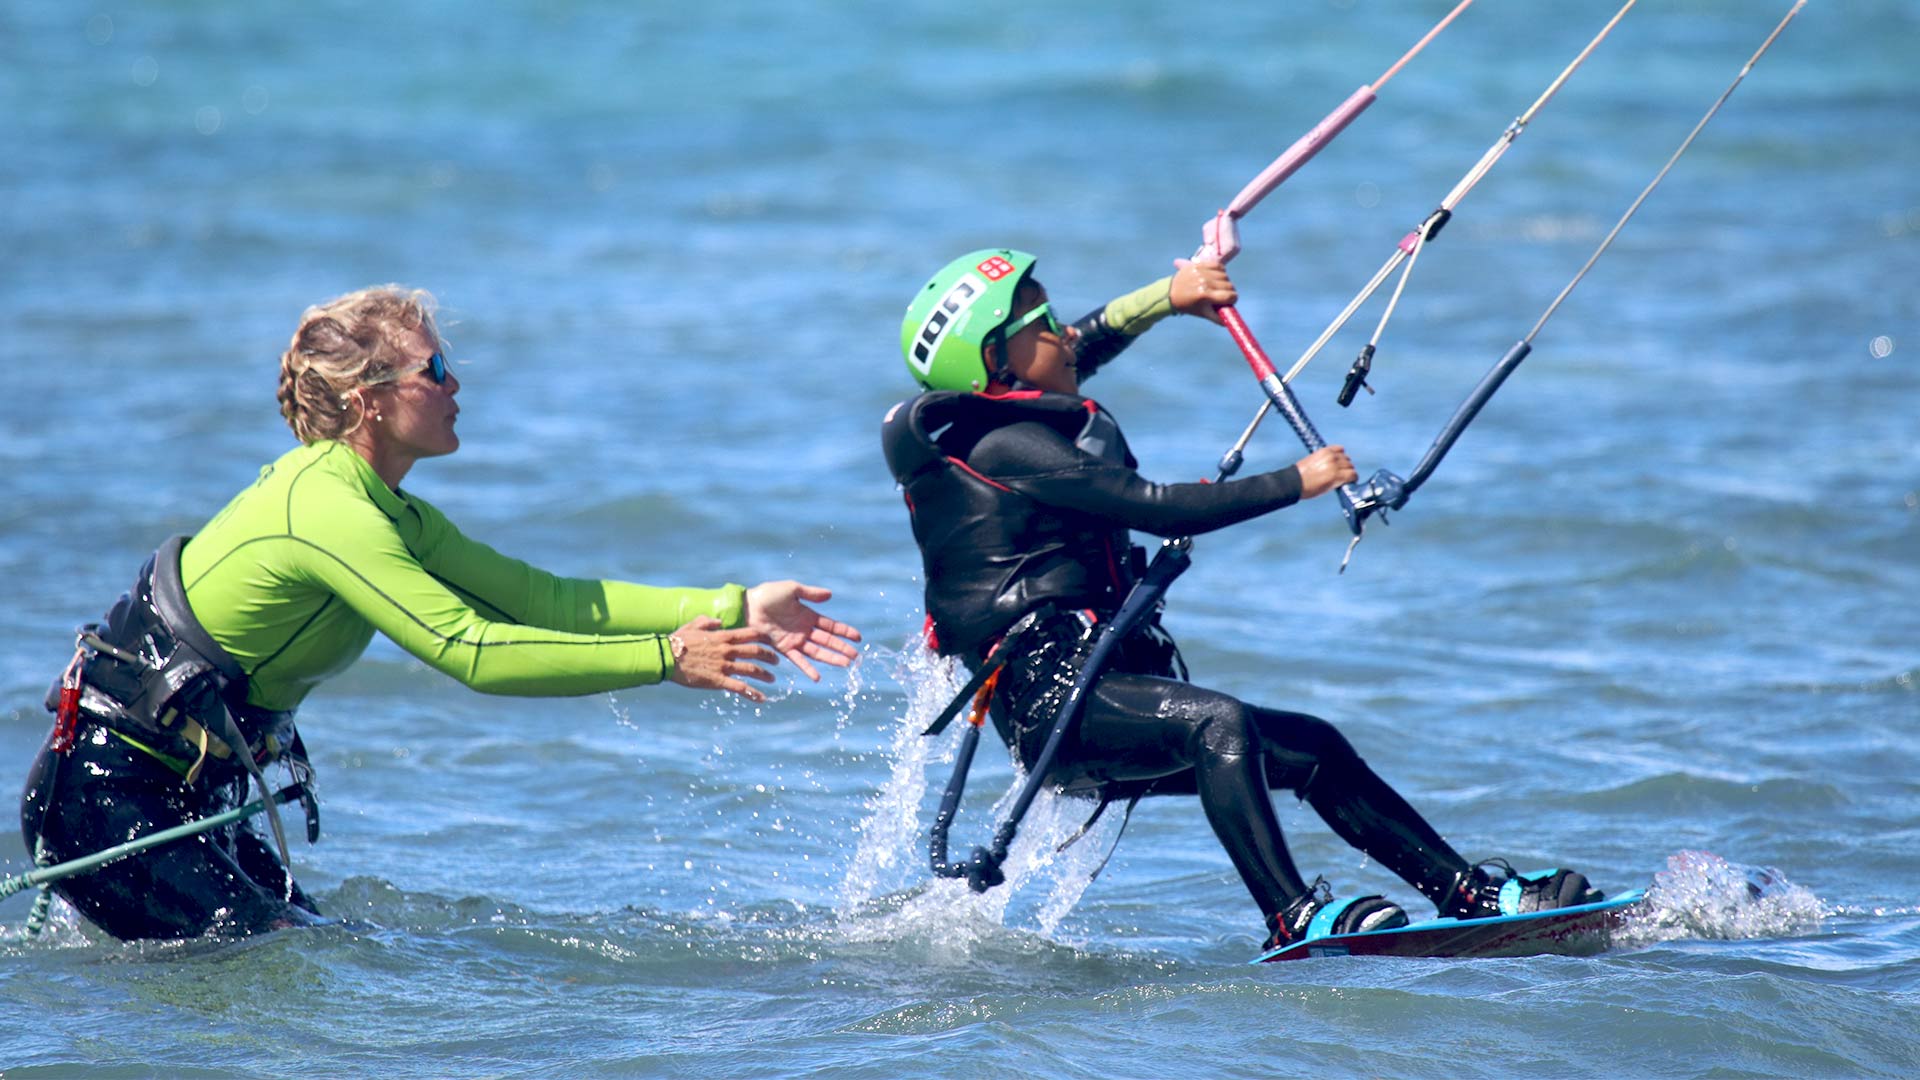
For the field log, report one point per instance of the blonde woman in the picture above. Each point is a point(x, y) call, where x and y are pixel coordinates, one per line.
point(188, 688)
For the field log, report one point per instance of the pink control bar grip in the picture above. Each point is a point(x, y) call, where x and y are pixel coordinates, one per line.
point(1301, 151)
point(1219, 240)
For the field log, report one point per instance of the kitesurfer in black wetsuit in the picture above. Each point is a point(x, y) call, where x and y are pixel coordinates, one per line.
point(1022, 493)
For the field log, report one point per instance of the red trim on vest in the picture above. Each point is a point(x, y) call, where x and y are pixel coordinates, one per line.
point(1086, 403)
point(976, 474)
point(1113, 564)
point(932, 635)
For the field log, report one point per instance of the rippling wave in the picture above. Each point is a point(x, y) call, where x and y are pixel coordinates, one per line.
point(1656, 601)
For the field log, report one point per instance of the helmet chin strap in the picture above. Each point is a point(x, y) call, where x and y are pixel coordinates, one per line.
point(1000, 372)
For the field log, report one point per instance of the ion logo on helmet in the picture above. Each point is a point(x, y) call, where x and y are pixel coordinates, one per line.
point(958, 312)
point(951, 306)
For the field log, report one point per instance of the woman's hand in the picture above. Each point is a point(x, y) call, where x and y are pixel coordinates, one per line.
point(707, 657)
point(1323, 470)
point(1197, 287)
point(775, 611)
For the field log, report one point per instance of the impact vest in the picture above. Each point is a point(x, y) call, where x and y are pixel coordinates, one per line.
point(991, 554)
point(153, 675)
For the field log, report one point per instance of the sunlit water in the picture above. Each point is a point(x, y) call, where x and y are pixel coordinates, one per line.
point(1653, 618)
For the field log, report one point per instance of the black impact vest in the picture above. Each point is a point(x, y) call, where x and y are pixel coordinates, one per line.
point(990, 553)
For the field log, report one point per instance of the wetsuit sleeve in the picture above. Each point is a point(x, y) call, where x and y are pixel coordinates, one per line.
point(507, 589)
point(359, 555)
point(1107, 330)
point(1038, 462)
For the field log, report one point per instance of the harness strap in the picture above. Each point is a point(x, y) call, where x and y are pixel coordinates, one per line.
point(1125, 817)
point(1007, 649)
point(204, 741)
point(1088, 824)
point(982, 869)
point(231, 732)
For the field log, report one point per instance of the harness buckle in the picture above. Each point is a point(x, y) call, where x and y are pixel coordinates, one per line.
point(66, 716)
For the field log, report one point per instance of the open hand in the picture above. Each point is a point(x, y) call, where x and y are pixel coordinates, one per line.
point(716, 659)
point(775, 610)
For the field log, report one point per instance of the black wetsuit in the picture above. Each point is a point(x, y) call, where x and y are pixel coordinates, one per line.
point(104, 792)
point(1022, 502)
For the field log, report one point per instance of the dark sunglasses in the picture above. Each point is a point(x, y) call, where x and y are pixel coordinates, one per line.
point(435, 368)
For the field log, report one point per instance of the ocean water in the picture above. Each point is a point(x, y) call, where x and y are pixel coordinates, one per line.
point(1654, 616)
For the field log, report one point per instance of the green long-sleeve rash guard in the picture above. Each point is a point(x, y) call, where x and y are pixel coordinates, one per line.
point(297, 572)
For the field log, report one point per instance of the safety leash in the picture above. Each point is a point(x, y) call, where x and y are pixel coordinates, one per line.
point(44, 876)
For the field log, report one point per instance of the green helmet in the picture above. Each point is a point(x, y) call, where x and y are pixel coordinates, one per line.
point(958, 314)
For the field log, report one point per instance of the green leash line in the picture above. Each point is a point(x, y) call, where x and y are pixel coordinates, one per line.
point(46, 875)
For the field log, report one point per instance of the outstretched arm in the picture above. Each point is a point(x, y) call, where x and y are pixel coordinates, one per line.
point(505, 589)
point(1040, 463)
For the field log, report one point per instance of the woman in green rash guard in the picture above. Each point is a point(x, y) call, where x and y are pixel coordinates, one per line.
point(223, 635)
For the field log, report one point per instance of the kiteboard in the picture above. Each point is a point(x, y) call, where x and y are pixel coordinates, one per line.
point(1568, 931)
point(1699, 894)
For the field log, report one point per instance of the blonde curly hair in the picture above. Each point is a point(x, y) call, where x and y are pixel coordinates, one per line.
point(342, 345)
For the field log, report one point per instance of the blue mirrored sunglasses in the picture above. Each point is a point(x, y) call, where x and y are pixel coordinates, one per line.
point(435, 368)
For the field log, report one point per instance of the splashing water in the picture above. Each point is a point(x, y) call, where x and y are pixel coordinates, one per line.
point(888, 893)
point(1701, 895)
point(64, 929)
point(886, 834)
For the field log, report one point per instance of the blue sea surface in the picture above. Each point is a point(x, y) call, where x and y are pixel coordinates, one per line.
point(1657, 614)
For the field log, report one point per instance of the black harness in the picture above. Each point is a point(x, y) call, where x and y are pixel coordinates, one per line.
point(153, 675)
point(982, 868)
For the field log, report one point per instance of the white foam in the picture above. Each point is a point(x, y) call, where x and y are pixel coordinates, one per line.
point(1701, 895)
point(889, 892)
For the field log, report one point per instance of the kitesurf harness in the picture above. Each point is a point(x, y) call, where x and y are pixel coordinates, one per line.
point(153, 677)
point(982, 868)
